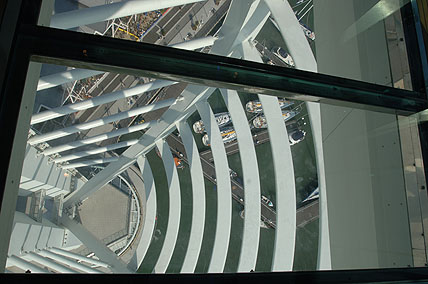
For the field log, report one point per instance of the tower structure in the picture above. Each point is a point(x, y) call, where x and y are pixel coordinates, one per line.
point(71, 150)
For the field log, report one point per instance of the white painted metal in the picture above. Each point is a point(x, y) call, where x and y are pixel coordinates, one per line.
point(98, 138)
point(78, 257)
point(250, 169)
point(90, 163)
point(254, 24)
point(198, 198)
point(231, 27)
point(191, 95)
point(292, 34)
point(195, 43)
point(24, 265)
point(97, 150)
point(98, 122)
point(48, 262)
point(285, 233)
point(67, 261)
point(107, 98)
point(57, 79)
point(304, 59)
point(94, 245)
point(77, 18)
point(175, 113)
point(174, 208)
point(324, 251)
point(224, 191)
point(150, 210)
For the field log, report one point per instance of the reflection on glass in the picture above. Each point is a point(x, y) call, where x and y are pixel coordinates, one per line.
point(131, 174)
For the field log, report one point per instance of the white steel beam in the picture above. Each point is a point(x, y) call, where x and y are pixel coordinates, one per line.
point(77, 18)
point(195, 43)
point(24, 265)
point(48, 262)
point(250, 169)
point(285, 189)
point(198, 198)
point(90, 163)
point(174, 208)
point(67, 261)
point(78, 257)
point(191, 95)
point(147, 142)
point(94, 245)
point(254, 24)
point(285, 233)
point(98, 138)
point(150, 210)
point(107, 98)
point(97, 150)
point(57, 79)
point(292, 34)
point(224, 190)
point(304, 59)
point(99, 122)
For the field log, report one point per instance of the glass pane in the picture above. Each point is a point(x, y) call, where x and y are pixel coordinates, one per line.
point(129, 174)
point(361, 40)
point(169, 177)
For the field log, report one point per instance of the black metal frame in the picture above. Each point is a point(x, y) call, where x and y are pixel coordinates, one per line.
point(29, 42)
point(391, 275)
point(48, 45)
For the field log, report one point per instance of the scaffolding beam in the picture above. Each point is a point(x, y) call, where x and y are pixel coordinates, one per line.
point(98, 138)
point(104, 99)
point(99, 122)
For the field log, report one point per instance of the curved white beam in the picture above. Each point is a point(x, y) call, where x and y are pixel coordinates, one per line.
point(149, 212)
point(98, 122)
point(324, 253)
point(90, 163)
point(97, 150)
point(250, 169)
point(224, 190)
point(292, 34)
point(304, 59)
point(98, 138)
point(107, 98)
point(60, 78)
point(198, 198)
point(174, 208)
point(285, 234)
point(77, 18)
